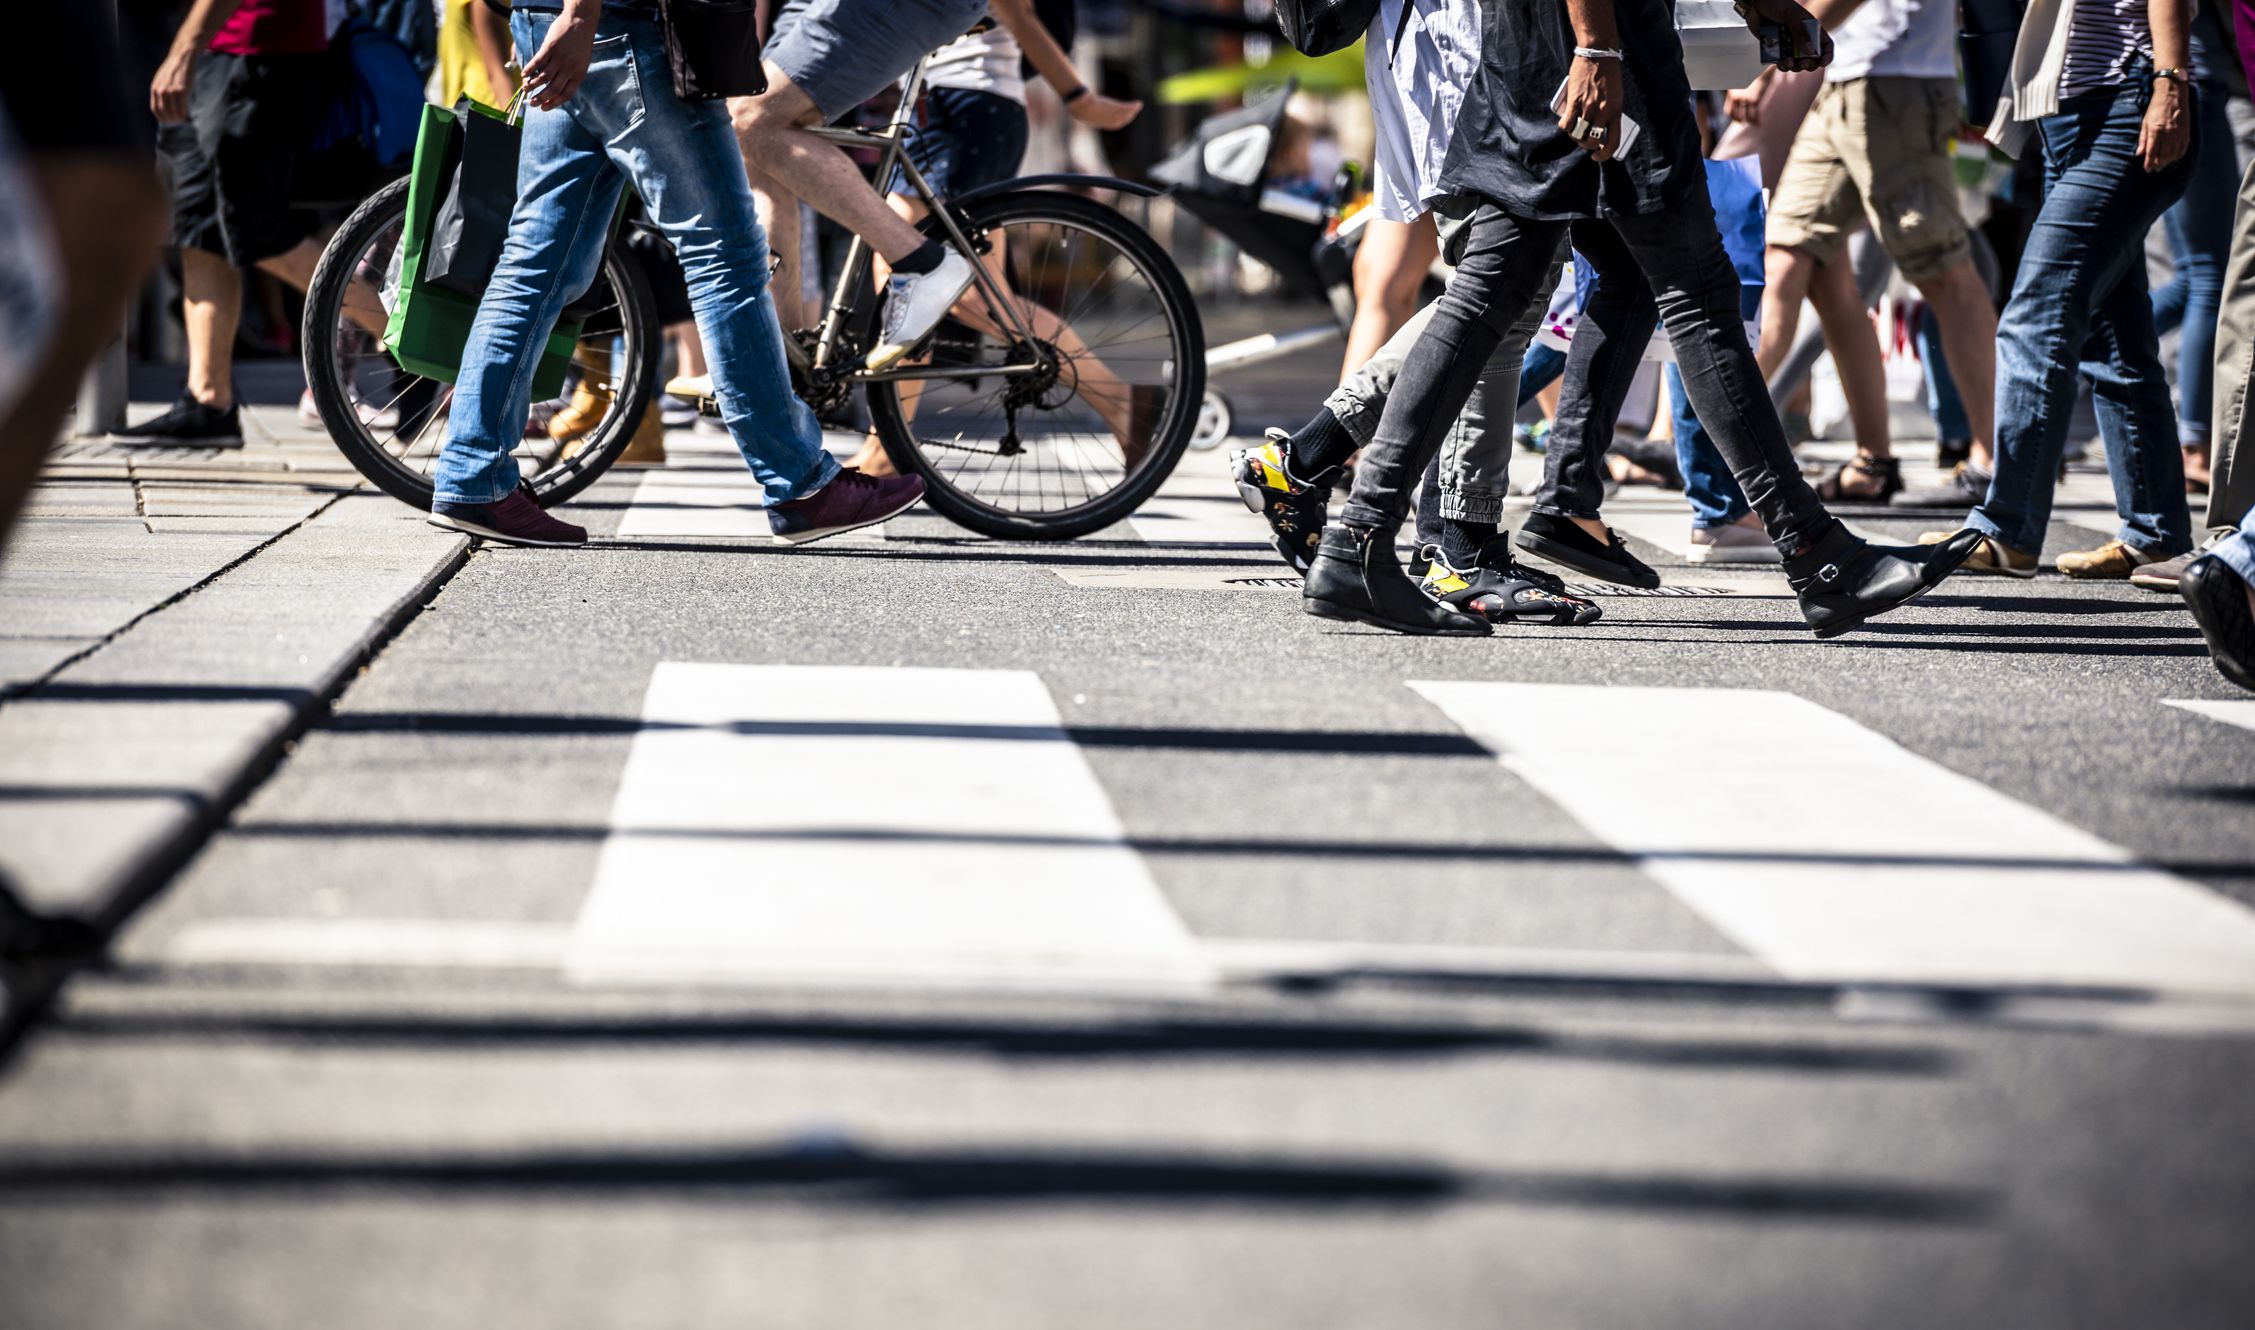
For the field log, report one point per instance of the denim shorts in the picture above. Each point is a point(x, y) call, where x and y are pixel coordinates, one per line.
point(964, 139)
point(841, 53)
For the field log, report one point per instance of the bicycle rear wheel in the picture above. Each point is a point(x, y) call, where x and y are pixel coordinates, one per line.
point(1053, 457)
point(391, 424)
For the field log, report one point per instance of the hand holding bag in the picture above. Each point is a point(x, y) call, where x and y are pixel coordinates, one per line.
point(712, 49)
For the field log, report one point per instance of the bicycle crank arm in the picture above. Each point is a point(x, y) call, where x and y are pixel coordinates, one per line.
point(919, 372)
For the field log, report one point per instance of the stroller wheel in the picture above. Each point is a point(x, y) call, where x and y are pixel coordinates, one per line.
point(1214, 420)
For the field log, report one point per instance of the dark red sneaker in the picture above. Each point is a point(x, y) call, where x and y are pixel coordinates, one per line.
point(848, 503)
point(516, 520)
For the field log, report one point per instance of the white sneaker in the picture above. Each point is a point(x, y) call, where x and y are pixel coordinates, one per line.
point(1736, 543)
point(915, 304)
point(309, 411)
point(690, 386)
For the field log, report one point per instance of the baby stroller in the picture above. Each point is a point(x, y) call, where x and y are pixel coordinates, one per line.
point(1218, 175)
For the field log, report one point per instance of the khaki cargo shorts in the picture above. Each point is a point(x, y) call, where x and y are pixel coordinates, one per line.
point(1877, 148)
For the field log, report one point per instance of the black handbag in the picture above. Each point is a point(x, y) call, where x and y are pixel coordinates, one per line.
point(712, 48)
point(473, 215)
point(1319, 27)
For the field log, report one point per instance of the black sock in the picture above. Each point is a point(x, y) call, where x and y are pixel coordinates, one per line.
point(1321, 446)
point(926, 257)
point(1462, 540)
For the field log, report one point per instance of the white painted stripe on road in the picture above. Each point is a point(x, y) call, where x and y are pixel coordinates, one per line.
point(1831, 852)
point(782, 823)
point(705, 490)
point(2241, 714)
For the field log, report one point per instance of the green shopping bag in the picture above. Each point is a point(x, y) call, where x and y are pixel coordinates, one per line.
point(430, 324)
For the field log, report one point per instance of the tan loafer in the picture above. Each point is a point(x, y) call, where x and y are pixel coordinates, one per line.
point(1992, 557)
point(2112, 562)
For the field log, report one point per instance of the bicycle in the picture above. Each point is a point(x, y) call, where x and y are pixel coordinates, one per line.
point(1057, 396)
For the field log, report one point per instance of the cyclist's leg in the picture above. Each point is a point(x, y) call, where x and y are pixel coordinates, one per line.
point(823, 62)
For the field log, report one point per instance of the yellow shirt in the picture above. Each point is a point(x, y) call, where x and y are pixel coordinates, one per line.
point(461, 67)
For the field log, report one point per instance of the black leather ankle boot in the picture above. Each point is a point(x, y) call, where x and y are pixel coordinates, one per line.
point(1356, 577)
point(1843, 580)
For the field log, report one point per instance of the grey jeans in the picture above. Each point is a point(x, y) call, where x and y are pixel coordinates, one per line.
point(2232, 493)
point(1475, 456)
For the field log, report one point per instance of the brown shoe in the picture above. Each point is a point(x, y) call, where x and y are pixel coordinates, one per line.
point(648, 446)
point(1992, 557)
point(2112, 562)
point(2165, 575)
point(591, 398)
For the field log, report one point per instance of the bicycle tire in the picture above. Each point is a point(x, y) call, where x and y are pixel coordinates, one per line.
point(329, 379)
point(1170, 435)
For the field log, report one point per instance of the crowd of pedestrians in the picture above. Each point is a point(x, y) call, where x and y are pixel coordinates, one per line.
point(1516, 116)
point(1510, 135)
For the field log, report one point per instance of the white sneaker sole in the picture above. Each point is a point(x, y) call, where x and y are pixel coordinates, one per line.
point(469, 528)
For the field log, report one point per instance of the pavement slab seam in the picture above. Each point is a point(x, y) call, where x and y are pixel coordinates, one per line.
point(9, 692)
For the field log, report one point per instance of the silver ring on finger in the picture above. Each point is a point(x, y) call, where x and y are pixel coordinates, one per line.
point(1581, 127)
point(1597, 135)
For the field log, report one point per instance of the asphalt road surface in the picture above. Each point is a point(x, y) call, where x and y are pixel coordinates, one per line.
point(922, 930)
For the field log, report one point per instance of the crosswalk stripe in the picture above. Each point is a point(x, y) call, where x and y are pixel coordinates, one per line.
point(848, 823)
point(1831, 852)
point(2241, 714)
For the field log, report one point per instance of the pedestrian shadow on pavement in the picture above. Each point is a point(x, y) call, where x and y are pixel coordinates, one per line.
point(1286, 1037)
point(830, 1170)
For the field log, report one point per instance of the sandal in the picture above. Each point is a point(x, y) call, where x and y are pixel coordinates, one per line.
point(1886, 470)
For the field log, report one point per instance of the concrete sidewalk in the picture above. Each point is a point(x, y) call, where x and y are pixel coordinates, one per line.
point(169, 618)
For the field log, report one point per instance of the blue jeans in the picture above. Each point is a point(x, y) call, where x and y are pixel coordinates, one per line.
point(2081, 293)
point(1716, 499)
point(1542, 368)
point(1950, 423)
point(2237, 551)
point(2200, 237)
point(625, 124)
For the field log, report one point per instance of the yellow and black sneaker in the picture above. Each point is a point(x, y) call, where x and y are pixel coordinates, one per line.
point(1502, 590)
point(1294, 509)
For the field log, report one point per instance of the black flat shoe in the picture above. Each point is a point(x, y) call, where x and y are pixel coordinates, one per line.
point(1356, 578)
point(2218, 600)
point(1844, 580)
point(1567, 545)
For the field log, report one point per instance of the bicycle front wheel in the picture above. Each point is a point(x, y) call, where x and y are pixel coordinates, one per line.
point(1058, 454)
point(391, 425)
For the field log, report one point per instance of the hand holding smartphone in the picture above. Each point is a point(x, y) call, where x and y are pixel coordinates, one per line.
point(1629, 128)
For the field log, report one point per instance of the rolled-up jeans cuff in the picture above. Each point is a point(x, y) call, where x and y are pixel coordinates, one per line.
point(2238, 554)
point(1471, 505)
point(1356, 414)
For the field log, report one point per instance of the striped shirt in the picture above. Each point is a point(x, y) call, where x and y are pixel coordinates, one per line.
point(2104, 39)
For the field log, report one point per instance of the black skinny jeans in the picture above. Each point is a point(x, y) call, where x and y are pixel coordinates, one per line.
point(1653, 267)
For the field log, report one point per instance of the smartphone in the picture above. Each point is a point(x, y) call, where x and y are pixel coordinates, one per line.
point(1774, 48)
point(1629, 128)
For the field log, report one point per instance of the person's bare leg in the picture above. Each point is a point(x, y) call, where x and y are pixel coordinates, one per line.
point(211, 307)
point(1960, 303)
point(1390, 269)
point(1786, 274)
point(362, 303)
point(688, 349)
point(108, 216)
point(785, 158)
point(1854, 344)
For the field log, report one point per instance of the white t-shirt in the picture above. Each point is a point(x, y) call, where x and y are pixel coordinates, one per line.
point(1896, 39)
point(981, 62)
point(1419, 58)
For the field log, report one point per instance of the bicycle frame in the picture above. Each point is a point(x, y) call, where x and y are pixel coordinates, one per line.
point(1003, 309)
